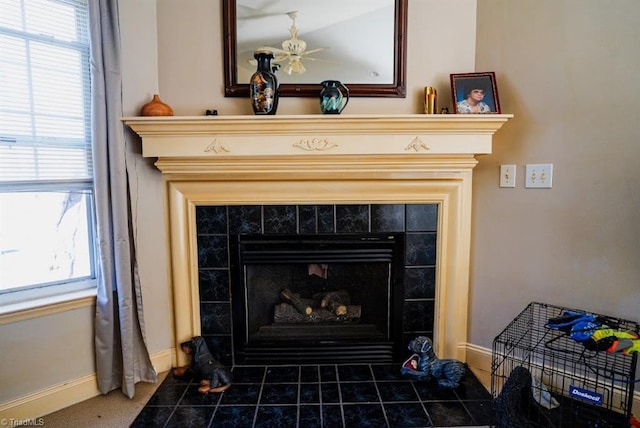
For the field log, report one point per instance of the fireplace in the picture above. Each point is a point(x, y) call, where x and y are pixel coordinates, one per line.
point(382, 255)
point(317, 298)
point(257, 165)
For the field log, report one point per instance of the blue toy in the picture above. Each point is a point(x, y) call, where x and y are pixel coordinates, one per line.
point(423, 364)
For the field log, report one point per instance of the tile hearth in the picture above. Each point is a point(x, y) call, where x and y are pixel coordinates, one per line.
point(360, 395)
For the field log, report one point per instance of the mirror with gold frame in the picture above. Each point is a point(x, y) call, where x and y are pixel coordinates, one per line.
point(361, 43)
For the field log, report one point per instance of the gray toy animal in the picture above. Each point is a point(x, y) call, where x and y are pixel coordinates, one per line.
point(425, 365)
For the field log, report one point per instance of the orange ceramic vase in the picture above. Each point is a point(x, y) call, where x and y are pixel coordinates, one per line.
point(156, 107)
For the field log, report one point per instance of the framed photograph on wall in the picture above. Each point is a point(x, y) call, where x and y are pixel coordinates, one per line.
point(475, 93)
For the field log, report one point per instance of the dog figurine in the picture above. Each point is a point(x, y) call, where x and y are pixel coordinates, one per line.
point(213, 376)
point(425, 365)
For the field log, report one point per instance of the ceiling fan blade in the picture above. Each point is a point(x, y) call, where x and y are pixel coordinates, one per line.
point(247, 12)
point(308, 58)
point(279, 56)
point(314, 51)
point(272, 49)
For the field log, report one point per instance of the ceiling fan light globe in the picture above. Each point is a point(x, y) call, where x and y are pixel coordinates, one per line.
point(297, 67)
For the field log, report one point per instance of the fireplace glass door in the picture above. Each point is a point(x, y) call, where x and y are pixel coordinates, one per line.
point(317, 298)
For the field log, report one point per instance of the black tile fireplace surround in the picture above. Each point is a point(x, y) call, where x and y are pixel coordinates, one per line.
point(218, 227)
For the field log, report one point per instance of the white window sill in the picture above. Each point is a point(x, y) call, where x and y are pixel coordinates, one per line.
point(34, 308)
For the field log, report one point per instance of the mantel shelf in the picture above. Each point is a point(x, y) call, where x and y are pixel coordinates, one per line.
point(305, 135)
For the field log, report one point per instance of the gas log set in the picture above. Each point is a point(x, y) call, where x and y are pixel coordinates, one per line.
point(332, 306)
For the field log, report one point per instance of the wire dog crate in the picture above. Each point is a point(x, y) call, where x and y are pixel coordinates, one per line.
point(593, 388)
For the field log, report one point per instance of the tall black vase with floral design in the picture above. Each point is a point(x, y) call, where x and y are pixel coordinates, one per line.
point(263, 86)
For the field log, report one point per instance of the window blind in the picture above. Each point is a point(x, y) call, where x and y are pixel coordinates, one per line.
point(45, 106)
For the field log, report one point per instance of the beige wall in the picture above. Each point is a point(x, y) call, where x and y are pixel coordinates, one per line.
point(568, 71)
point(565, 71)
point(45, 351)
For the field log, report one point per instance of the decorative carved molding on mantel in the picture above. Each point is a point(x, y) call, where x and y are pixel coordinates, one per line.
point(312, 159)
point(319, 144)
point(259, 136)
point(417, 145)
point(216, 147)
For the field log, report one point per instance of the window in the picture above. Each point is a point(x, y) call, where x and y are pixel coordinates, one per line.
point(46, 173)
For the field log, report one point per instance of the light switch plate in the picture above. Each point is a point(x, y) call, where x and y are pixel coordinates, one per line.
point(507, 176)
point(539, 176)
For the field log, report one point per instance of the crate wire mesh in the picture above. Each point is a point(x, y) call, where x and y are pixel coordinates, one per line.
point(566, 368)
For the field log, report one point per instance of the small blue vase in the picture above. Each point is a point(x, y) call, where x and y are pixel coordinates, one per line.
point(334, 97)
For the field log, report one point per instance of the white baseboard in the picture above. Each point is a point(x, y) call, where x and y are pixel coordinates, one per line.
point(479, 362)
point(48, 400)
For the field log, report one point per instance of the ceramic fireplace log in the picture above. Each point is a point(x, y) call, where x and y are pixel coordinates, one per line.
point(336, 301)
point(302, 305)
point(351, 314)
point(285, 313)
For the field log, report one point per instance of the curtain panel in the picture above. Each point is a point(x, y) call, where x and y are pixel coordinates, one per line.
point(122, 358)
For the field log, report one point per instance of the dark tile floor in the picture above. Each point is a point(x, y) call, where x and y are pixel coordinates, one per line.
point(351, 396)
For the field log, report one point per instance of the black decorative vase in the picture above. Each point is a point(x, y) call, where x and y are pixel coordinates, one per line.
point(334, 97)
point(263, 86)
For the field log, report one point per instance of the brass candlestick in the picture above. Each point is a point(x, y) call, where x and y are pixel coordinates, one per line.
point(430, 96)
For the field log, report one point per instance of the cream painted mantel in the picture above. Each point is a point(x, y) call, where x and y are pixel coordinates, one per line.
point(316, 159)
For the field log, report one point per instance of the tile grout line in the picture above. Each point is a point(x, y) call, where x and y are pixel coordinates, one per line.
point(421, 402)
point(320, 395)
point(255, 414)
point(175, 407)
point(298, 401)
point(215, 410)
point(375, 384)
point(344, 421)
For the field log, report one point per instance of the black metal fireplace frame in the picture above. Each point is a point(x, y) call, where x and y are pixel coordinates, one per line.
point(384, 247)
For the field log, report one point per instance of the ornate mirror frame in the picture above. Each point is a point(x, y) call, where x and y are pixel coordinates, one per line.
point(397, 89)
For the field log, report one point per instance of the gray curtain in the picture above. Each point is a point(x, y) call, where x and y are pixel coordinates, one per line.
point(122, 358)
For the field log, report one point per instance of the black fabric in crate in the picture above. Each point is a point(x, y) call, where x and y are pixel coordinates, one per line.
point(515, 402)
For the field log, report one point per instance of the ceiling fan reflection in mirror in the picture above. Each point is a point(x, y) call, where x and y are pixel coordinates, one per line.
point(293, 51)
